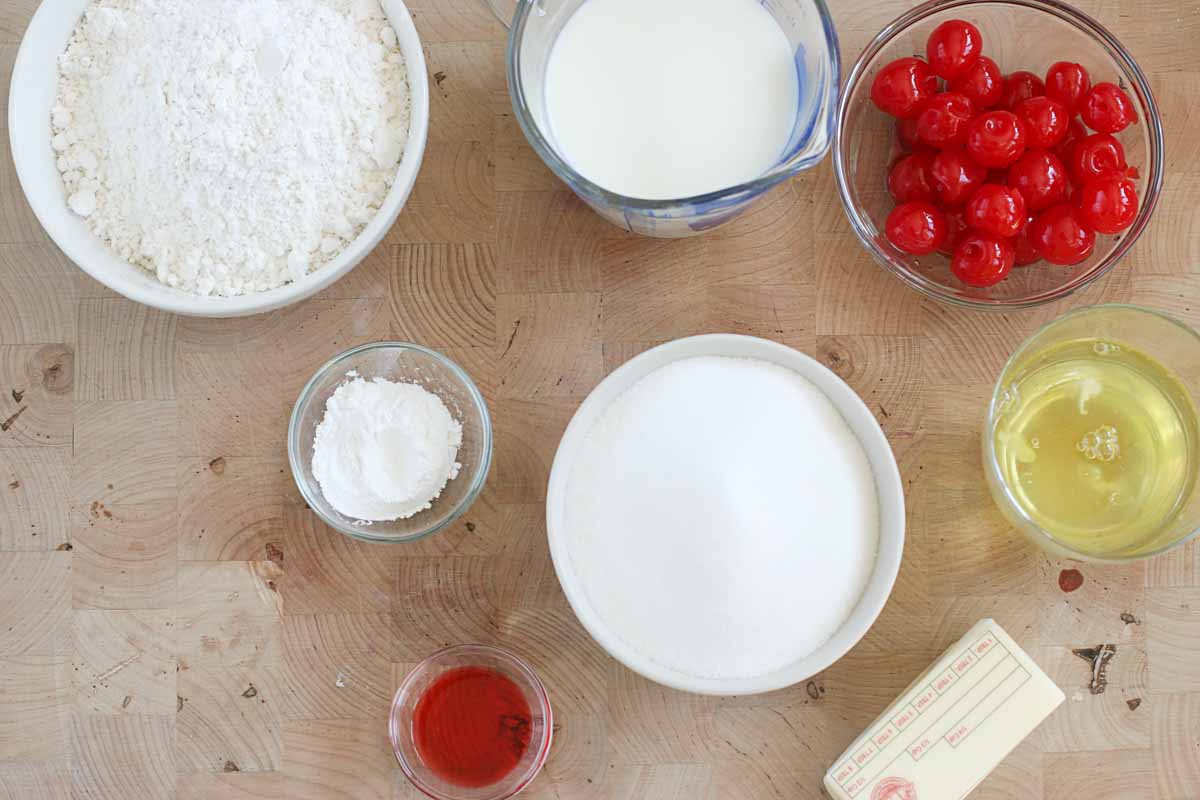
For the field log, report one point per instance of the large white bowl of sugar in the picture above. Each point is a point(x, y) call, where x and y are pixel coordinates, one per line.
point(32, 96)
point(725, 515)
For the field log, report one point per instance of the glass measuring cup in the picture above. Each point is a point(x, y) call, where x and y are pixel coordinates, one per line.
point(809, 28)
point(1106, 330)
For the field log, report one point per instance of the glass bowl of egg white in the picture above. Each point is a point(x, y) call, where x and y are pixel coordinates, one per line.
point(390, 442)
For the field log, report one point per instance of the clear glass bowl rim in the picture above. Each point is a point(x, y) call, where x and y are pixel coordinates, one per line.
point(467, 650)
point(730, 195)
point(295, 457)
point(1083, 23)
point(989, 446)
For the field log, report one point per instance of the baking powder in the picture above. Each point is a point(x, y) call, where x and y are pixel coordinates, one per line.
point(722, 517)
point(230, 146)
point(384, 450)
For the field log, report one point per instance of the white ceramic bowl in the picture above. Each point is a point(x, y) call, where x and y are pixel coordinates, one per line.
point(32, 94)
point(862, 422)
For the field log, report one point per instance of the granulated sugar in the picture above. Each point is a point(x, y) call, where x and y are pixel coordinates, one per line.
point(230, 146)
point(722, 517)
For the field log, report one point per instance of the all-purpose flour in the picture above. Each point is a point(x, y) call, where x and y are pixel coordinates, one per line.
point(385, 450)
point(230, 146)
point(722, 517)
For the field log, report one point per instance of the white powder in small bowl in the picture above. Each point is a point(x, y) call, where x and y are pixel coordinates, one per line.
point(722, 518)
point(385, 450)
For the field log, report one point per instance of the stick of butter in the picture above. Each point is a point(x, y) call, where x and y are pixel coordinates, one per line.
point(951, 726)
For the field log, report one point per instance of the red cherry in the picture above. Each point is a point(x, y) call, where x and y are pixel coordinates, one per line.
point(1021, 85)
point(917, 228)
point(902, 86)
point(996, 210)
point(981, 260)
point(909, 178)
point(1075, 132)
point(953, 48)
point(906, 134)
point(942, 121)
point(1107, 109)
point(1061, 236)
point(1045, 121)
point(983, 82)
point(956, 229)
point(1024, 253)
point(1097, 156)
point(996, 138)
point(1108, 205)
point(1041, 179)
point(1067, 83)
point(955, 177)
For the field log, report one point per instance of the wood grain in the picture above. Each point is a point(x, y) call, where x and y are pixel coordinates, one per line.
point(35, 603)
point(175, 623)
point(125, 662)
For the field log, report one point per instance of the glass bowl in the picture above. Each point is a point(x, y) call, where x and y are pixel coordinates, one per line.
point(1172, 344)
point(471, 655)
point(408, 363)
point(1018, 34)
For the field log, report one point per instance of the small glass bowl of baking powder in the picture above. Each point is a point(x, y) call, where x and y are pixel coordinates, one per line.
point(399, 362)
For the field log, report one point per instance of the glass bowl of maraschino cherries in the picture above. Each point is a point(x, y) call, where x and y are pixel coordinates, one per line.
point(998, 154)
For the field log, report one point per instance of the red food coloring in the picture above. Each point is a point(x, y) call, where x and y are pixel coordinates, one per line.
point(472, 726)
point(1070, 579)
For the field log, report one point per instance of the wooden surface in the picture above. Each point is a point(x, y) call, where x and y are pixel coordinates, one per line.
point(175, 623)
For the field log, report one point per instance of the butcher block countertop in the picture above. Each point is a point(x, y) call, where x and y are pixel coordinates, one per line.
point(174, 622)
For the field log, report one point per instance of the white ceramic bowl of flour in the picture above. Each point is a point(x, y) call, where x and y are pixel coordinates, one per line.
point(653, 600)
point(32, 95)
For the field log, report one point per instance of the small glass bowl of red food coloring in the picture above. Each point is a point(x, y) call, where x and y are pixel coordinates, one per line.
point(471, 722)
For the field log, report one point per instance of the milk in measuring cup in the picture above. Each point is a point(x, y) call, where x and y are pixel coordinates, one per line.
point(666, 99)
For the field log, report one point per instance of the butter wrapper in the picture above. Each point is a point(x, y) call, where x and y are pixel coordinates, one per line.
point(951, 726)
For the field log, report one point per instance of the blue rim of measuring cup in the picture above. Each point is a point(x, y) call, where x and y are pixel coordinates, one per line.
point(801, 158)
